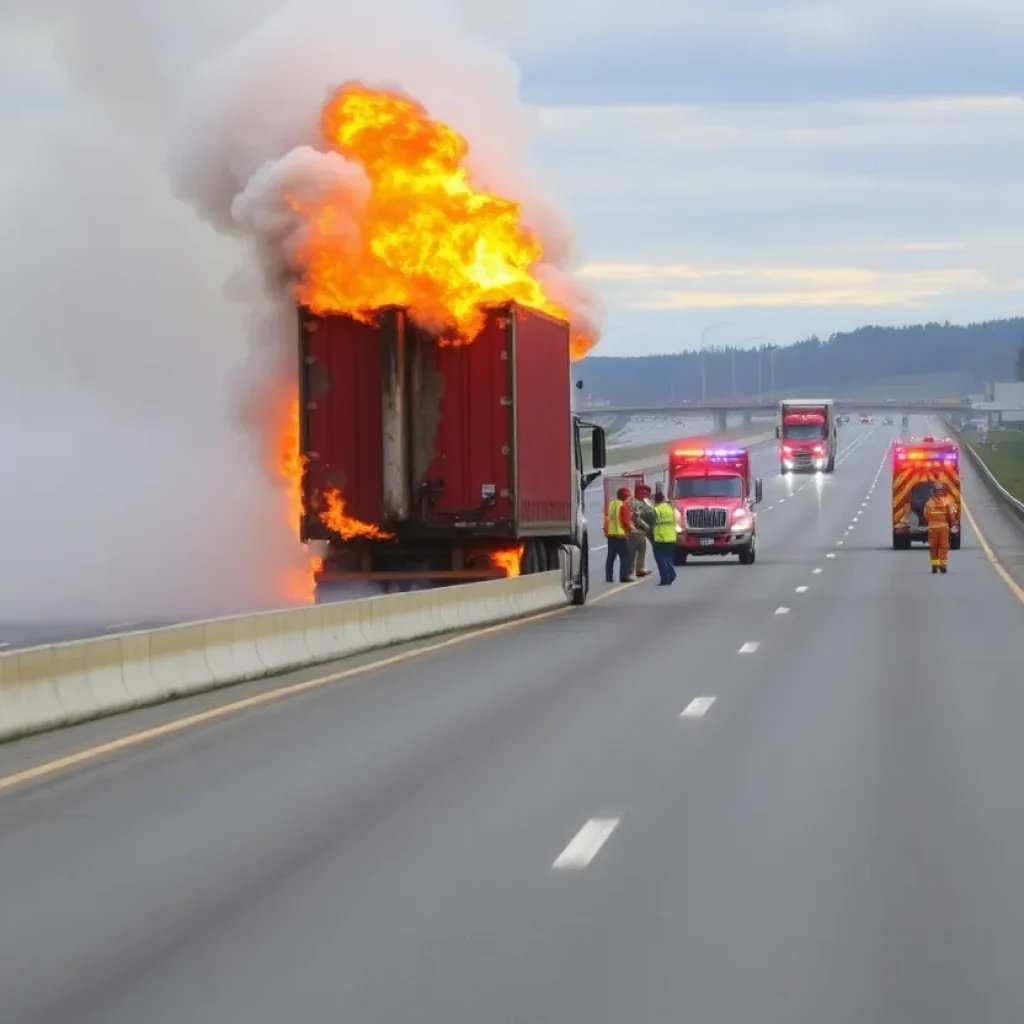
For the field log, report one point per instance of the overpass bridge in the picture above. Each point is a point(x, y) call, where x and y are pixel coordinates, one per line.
point(721, 409)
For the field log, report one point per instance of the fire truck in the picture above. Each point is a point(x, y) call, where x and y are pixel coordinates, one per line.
point(917, 465)
point(714, 496)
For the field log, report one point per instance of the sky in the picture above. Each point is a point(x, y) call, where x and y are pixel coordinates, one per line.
point(762, 170)
point(773, 169)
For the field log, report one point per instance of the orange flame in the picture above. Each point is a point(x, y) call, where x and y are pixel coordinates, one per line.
point(345, 526)
point(429, 240)
point(509, 559)
point(299, 586)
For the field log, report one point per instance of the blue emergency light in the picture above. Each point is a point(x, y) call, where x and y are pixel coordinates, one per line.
point(710, 453)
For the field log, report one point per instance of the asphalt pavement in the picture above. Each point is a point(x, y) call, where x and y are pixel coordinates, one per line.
point(786, 793)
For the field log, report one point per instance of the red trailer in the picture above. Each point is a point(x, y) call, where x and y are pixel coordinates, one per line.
point(426, 460)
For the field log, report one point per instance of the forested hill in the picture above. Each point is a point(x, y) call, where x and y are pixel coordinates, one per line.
point(928, 360)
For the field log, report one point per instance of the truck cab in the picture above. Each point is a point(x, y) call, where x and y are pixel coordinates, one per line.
point(808, 435)
point(714, 496)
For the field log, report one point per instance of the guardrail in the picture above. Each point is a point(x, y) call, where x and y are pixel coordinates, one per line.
point(61, 684)
point(1013, 504)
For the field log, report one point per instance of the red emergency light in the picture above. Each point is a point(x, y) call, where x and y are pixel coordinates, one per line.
point(710, 453)
point(930, 456)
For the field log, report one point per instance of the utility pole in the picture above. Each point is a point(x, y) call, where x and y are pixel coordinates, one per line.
point(703, 376)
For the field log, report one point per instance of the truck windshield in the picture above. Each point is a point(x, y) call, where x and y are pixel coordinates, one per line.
point(708, 487)
point(804, 431)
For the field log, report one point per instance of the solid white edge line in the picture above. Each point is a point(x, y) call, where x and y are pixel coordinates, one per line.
point(697, 708)
point(749, 647)
point(586, 844)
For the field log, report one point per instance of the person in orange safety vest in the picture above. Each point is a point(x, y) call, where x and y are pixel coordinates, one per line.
point(941, 516)
point(618, 522)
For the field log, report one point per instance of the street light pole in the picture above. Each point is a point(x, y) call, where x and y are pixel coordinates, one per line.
point(703, 376)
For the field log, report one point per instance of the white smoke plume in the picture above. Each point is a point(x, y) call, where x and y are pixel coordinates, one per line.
point(140, 339)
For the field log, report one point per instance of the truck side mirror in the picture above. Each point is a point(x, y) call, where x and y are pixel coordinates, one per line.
point(598, 449)
point(758, 492)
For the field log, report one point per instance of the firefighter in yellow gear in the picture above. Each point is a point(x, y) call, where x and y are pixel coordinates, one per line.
point(940, 514)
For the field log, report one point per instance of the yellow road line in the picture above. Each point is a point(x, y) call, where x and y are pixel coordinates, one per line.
point(270, 696)
point(1018, 591)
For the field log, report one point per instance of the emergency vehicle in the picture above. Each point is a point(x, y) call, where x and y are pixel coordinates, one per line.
point(917, 465)
point(714, 496)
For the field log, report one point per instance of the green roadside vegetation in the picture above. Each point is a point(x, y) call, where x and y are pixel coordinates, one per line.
point(1004, 456)
point(619, 456)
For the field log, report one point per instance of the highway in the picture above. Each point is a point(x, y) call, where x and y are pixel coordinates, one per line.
point(787, 793)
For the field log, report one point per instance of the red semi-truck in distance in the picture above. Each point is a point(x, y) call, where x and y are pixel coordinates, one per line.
point(808, 434)
point(714, 496)
point(429, 461)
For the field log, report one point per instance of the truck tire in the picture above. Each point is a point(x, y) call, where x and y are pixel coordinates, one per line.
point(900, 543)
point(831, 468)
point(954, 542)
point(582, 584)
point(679, 557)
point(748, 554)
point(783, 471)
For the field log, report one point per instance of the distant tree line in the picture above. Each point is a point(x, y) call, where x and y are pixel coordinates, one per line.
point(926, 360)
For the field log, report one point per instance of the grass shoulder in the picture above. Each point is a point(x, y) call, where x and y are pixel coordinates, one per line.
point(1003, 455)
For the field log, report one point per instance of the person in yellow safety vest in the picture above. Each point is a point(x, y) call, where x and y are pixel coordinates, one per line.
point(617, 523)
point(940, 515)
point(664, 540)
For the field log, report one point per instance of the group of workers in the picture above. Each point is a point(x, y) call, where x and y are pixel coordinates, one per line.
point(629, 520)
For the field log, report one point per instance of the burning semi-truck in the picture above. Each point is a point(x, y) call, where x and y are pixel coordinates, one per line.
point(808, 434)
point(429, 460)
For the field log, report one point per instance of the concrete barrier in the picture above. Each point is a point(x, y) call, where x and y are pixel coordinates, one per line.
point(60, 684)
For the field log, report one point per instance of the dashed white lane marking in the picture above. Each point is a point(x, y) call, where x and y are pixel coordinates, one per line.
point(781, 611)
point(801, 590)
point(769, 508)
point(782, 501)
point(831, 554)
point(816, 571)
point(855, 519)
point(697, 708)
point(749, 647)
point(839, 543)
point(586, 844)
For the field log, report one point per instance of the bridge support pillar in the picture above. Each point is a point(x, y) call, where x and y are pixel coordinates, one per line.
point(721, 420)
point(748, 419)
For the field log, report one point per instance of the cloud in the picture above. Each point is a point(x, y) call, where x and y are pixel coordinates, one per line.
point(770, 50)
point(801, 217)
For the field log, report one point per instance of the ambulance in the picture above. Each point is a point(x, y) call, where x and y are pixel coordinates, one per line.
point(917, 465)
point(714, 496)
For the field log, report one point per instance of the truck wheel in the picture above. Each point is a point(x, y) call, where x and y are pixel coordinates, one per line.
point(783, 471)
point(582, 585)
point(747, 555)
point(831, 465)
point(900, 543)
point(954, 542)
point(679, 557)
